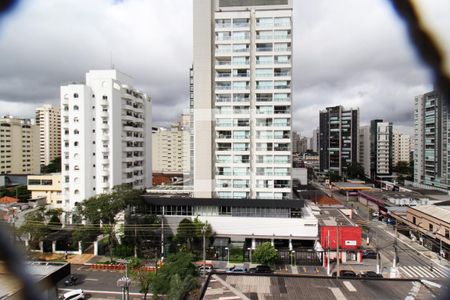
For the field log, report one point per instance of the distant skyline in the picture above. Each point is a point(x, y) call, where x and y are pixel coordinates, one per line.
point(349, 52)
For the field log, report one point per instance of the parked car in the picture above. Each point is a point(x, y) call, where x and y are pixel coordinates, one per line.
point(261, 269)
point(345, 274)
point(71, 281)
point(208, 268)
point(237, 269)
point(369, 253)
point(370, 274)
point(73, 295)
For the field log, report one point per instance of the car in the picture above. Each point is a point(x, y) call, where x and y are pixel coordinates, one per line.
point(262, 269)
point(208, 268)
point(368, 253)
point(73, 295)
point(370, 274)
point(345, 274)
point(237, 269)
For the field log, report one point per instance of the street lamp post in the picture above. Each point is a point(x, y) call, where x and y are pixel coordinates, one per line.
point(228, 254)
point(204, 250)
point(250, 254)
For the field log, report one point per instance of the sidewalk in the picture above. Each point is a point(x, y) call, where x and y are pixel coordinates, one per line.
point(417, 247)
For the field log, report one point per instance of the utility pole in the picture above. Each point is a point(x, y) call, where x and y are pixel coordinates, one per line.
point(378, 253)
point(338, 256)
point(162, 234)
point(204, 250)
point(328, 255)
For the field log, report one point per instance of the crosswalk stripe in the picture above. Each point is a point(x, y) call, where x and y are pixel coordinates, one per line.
point(425, 271)
point(440, 272)
point(404, 270)
point(415, 271)
point(412, 271)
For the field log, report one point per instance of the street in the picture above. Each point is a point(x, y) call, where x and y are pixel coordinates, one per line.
point(412, 262)
point(98, 284)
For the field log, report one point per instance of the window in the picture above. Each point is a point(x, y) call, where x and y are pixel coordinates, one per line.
point(75, 107)
point(76, 131)
point(76, 192)
point(105, 97)
point(75, 144)
point(414, 220)
point(75, 95)
point(430, 227)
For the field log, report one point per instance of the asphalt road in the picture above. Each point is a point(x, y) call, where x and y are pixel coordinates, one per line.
point(97, 284)
point(411, 262)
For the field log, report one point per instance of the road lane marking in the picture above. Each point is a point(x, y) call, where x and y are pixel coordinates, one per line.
point(91, 279)
point(440, 272)
point(338, 293)
point(349, 286)
point(404, 270)
point(421, 271)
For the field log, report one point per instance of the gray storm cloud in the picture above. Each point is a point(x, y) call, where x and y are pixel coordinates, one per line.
point(349, 52)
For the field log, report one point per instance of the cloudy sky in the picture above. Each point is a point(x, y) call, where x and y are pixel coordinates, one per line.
point(349, 52)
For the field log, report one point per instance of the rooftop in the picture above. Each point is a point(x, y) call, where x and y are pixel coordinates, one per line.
point(438, 212)
point(352, 186)
point(333, 217)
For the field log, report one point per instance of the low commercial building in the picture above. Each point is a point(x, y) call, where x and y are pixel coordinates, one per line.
point(284, 223)
point(430, 225)
point(384, 201)
point(336, 228)
point(46, 186)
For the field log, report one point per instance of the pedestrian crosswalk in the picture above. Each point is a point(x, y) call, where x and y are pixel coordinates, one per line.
point(424, 272)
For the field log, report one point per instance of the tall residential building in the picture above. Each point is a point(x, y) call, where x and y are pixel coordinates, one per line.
point(106, 126)
point(339, 133)
point(381, 148)
point(242, 98)
point(170, 149)
point(402, 144)
point(19, 146)
point(364, 149)
point(431, 139)
point(48, 118)
point(315, 140)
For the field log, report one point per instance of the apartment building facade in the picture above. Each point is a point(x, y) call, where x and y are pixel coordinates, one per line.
point(46, 186)
point(19, 146)
point(171, 149)
point(364, 149)
point(242, 95)
point(338, 140)
point(381, 148)
point(431, 140)
point(402, 145)
point(104, 141)
point(48, 118)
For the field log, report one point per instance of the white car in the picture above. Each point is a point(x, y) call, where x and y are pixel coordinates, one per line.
point(73, 295)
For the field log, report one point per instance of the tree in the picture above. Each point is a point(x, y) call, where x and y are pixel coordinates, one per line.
point(55, 221)
point(190, 232)
point(265, 254)
point(333, 176)
point(179, 288)
point(35, 226)
point(142, 276)
point(53, 167)
point(402, 167)
point(176, 273)
point(355, 170)
point(103, 209)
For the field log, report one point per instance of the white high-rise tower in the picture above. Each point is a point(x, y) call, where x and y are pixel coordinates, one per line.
point(242, 98)
point(106, 136)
